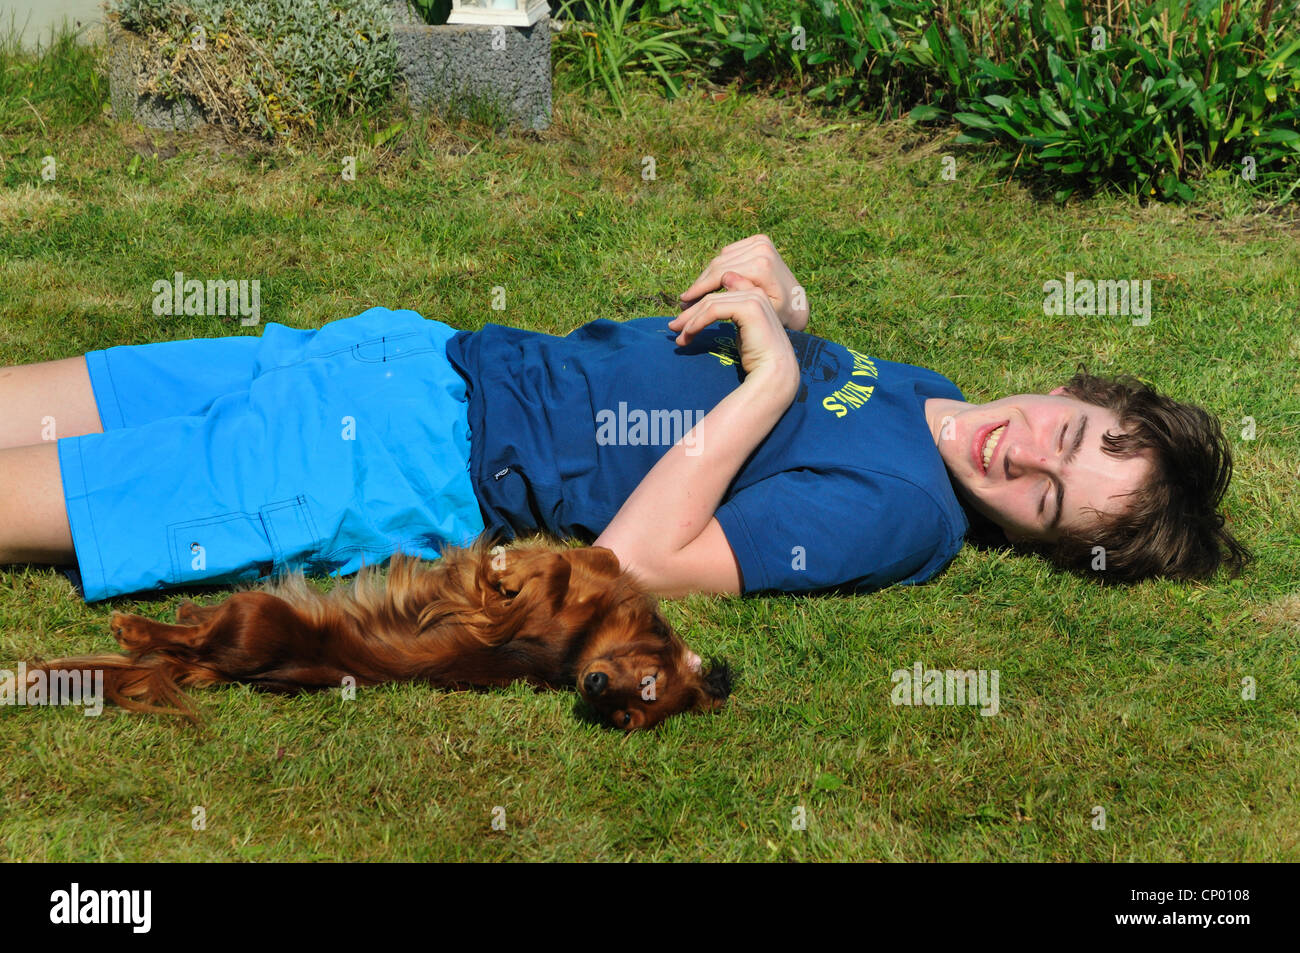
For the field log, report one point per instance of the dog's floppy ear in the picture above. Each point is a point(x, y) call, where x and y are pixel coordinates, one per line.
point(596, 560)
point(516, 568)
point(716, 685)
point(578, 581)
point(543, 570)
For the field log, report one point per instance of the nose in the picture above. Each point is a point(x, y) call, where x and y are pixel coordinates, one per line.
point(1029, 456)
point(595, 683)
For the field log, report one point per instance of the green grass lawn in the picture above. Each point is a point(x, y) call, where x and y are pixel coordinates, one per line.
point(1124, 699)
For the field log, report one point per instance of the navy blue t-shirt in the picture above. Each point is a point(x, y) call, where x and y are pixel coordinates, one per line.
point(848, 490)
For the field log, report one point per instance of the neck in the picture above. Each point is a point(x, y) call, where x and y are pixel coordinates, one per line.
point(939, 408)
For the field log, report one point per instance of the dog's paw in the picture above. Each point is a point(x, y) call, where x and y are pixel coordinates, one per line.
point(127, 629)
point(189, 613)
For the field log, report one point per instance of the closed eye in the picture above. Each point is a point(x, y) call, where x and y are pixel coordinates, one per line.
point(1078, 438)
point(1060, 445)
point(1060, 487)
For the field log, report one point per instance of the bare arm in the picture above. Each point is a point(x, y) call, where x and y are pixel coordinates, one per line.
point(665, 532)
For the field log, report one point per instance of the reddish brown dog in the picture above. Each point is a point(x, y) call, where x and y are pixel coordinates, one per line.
point(556, 618)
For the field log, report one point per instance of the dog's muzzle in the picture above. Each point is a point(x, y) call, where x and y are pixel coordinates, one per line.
point(595, 683)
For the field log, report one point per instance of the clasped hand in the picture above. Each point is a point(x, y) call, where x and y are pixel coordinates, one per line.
point(757, 260)
point(760, 292)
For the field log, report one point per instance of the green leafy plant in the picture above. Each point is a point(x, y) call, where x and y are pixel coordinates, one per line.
point(432, 11)
point(613, 45)
point(1153, 107)
point(756, 37)
point(1148, 97)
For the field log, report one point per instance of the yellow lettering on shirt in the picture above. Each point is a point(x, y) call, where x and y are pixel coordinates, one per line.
point(726, 351)
point(863, 366)
point(852, 394)
point(849, 397)
point(838, 409)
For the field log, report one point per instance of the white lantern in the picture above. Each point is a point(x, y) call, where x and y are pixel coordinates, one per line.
point(506, 12)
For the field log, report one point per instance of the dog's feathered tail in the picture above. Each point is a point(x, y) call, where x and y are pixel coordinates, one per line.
point(292, 638)
point(152, 683)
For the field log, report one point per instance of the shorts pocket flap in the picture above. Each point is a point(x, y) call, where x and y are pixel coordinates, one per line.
point(230, 547)
point(291, 532)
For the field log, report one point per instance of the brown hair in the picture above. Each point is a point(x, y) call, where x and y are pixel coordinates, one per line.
point(558, 618)
point(1172, 526)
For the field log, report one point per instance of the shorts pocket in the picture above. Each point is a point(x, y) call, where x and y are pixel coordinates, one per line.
point(391, 347)
point(291, 532)
point(240, 546)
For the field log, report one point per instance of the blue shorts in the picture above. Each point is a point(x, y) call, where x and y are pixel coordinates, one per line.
point(227, 459)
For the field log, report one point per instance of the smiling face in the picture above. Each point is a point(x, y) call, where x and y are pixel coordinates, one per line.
point(1034, 463)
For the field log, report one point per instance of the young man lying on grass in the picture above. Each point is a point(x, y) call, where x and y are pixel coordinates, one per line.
point(815, 466)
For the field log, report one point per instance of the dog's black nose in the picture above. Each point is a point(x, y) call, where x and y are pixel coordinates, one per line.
point(595, 683)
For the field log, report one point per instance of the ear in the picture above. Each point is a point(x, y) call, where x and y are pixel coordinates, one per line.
point(596, 580)
point(543, 569)
point(578, 582)
point(716, 686)
point(595, 559)
point(1059, 392)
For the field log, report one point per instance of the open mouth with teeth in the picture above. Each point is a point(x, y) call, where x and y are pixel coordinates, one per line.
point(987, 442)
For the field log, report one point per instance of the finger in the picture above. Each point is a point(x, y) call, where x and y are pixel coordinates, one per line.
point(686, 315)
point(689, 312)
point(734, 254)
point(691, 327)
point(701, 316)
point(708, 281)
point(711, 280)
point(745, 244)
point(719, 306)
point(743, 309)
point(735, 281)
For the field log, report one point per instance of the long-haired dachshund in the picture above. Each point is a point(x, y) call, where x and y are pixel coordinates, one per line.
point(475, 618)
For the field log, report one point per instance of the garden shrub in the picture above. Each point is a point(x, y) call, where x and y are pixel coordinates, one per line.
point(274, 67)
point(1148, 96)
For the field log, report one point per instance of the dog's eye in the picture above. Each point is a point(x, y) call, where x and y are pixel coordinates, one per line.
point(626, 719)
